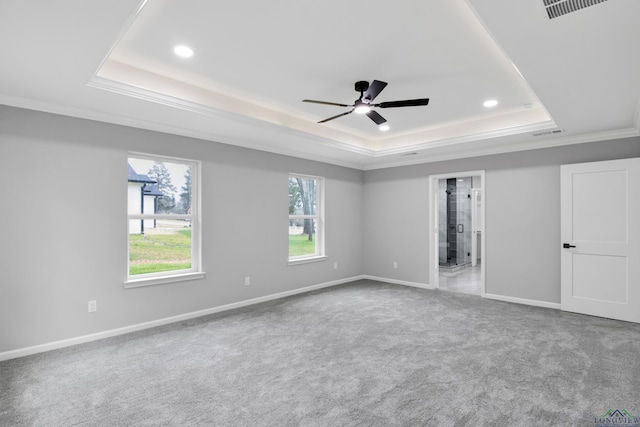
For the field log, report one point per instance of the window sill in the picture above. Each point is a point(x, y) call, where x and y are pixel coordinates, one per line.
point(160, 280)
point(307, 260)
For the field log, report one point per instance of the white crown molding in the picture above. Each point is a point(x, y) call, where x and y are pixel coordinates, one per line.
point(516, 130)
point(86, 114)
point(131, 81)
point(140, 84)
point(423, 149)
point(511, 148)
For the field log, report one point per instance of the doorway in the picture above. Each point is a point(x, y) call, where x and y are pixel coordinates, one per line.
point(456, 234)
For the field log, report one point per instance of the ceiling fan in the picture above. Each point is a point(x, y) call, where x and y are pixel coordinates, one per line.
point(363, 105)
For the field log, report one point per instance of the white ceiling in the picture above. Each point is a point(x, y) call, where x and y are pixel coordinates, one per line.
point(255, 61)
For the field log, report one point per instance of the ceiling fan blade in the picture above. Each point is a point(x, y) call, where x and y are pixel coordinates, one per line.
point(374, 90)
point(373, 115)
point(326, 103)
point(406, 103)
point(336, 116)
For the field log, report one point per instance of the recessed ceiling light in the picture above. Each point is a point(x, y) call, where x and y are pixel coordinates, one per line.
point(384, 128)
point(490, 103)
point(183, 51)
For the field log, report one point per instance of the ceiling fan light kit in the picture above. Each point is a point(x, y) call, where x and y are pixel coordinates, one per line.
point(363, 105)
point(361, 108)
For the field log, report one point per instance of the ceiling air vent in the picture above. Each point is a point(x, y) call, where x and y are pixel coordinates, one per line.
point(557, 8)
point(548, 132)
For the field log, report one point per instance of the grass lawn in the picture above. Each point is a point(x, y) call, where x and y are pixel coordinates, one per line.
point(156, 252)
point(152, 253)
point(300, 245)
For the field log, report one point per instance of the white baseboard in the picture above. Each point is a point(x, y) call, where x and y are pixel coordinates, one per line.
point(21, 352)
point(504, 298)
point(524, 301)
point(399, 282)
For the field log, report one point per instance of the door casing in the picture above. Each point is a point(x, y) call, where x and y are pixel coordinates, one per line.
point(434, 265)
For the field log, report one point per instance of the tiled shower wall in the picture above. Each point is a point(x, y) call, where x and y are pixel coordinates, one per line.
point(454, 233)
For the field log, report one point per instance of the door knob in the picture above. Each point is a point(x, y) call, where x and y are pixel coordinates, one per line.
point(567, 246)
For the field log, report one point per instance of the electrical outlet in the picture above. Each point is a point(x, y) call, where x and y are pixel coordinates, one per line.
point(395, 264)
point(92, 306)
point(247, 281)
point(335, 265)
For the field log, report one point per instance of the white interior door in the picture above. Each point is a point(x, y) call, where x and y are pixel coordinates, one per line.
point(600, 227)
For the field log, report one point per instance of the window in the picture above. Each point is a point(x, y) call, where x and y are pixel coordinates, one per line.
point(163, 220)
point(306, 223)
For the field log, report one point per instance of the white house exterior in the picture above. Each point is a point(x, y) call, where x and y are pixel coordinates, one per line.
point(142, 198)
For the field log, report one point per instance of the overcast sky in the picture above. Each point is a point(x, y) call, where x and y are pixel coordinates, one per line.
point(176, 170)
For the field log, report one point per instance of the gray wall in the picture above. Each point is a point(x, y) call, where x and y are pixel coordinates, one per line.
point(63, 227)
point(64, 241)
point(522, 196)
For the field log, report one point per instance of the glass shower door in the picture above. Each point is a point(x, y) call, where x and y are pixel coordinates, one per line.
point(455, 222)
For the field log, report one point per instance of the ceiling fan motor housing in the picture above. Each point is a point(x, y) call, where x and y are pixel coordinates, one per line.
point(362, 86)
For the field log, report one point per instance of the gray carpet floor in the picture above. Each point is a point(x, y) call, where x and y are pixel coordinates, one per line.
point(362, 354)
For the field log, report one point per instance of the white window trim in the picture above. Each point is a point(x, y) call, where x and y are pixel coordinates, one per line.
point(195, 272)
point(318, 217)
point(306, 260)
point(161, 280)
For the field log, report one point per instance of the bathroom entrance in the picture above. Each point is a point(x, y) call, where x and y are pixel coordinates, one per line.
point(457, 235)
point(454, 226)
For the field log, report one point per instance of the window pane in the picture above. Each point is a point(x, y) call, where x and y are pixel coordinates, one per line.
point(302, 237)
point(164, 246)
point(159, 187)
point(302, 196)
